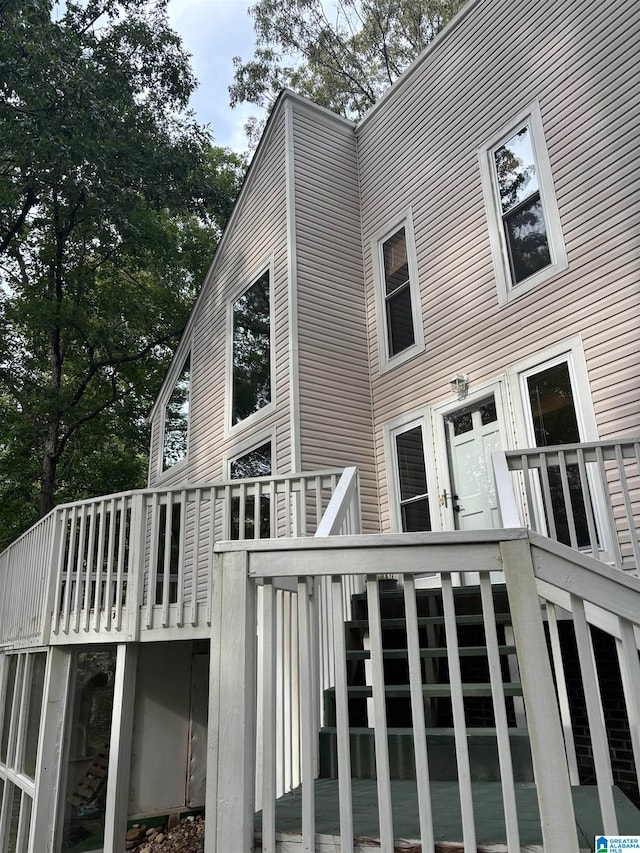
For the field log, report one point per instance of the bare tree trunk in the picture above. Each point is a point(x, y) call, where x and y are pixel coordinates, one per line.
point(49, 464)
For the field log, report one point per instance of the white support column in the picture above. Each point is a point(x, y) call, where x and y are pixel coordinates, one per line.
point(115, 819)
point(545, 730)
point(50, 752)
point(232, 709)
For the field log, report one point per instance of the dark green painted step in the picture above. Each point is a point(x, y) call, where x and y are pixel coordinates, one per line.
point(401, 654)
point(429, 691)
point(483, 754)
point(398, 706)
point(399, 621)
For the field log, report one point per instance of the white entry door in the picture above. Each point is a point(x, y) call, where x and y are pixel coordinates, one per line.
point(472, 434)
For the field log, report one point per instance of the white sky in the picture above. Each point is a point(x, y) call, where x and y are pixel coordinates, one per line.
point(213, 32)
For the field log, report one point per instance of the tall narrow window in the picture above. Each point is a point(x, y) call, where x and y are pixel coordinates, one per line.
point(20, 711)
point(397, 293)
point(412, 480)
point(399, 317)
point(176, 419)
point(254, 463)
point(555, 421)
point(524, 225)
point(251, 378)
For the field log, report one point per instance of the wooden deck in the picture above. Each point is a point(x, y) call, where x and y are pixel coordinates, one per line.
point(487, 801)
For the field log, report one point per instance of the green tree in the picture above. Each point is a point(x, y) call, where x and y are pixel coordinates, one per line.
point(341, 53)
point(112, 199)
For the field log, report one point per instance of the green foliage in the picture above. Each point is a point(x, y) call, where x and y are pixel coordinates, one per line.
point(341, 53)
point(112, 200)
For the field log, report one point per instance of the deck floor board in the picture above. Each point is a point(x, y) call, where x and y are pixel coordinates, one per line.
point(487, 802)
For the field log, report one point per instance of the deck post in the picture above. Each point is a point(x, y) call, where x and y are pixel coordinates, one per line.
point(550, 766)
point(115, 818)
point(48, 767)
point(135, 569)
point(231, 745)
point(50, 602)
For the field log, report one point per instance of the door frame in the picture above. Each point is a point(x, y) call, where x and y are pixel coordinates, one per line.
point(497, 387)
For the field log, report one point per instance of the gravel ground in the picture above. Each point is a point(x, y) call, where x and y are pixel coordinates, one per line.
point(186, 837)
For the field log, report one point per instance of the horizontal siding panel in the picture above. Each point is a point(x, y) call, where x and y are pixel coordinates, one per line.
point(256, 233)
point(334, 389)
point(419, 148)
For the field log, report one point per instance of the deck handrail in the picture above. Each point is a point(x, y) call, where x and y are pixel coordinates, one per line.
point(142, 559)
point(583, 495)
point(577, 590)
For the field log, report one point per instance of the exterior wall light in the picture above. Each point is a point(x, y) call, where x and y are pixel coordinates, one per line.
point(460, 385)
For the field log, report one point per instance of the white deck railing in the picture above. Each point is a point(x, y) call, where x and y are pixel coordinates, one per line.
point(585, 590)
point(24, 571)
point(586, 496)
point(141, 562)
point(579, 595)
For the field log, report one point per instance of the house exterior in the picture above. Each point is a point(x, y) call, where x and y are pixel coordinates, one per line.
point(393, 301)
point(324, 199)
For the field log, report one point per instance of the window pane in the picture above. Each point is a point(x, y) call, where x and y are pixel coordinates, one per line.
point(251, 351)
point(415, 516)
point(488, 412)
point(412, 477)
point(411, 470)
point(14, 818)
point(555, 422)
point(516, 170)
point(461, 423)
point(89, 723)
point(176, 419)
point(552, 406)
point(256, 463)
point(11, 663)
point(400, 321)
point(396, 265)
point(397, 290)
point(527, 241)
point(36, 688)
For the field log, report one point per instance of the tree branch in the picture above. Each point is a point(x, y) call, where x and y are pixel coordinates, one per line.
point(29, 201)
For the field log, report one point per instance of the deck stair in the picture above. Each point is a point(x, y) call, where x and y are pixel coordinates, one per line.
point(436, 689)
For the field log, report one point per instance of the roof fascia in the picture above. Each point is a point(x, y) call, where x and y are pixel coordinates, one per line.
point(318, 111)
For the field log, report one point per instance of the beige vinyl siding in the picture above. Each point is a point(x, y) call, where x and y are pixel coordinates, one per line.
point(418, 148)
point(255, 237)
point(334, 391)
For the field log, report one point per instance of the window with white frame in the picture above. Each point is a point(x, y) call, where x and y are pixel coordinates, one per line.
point(248, 520)
point(553, 417)
point(251, 382)
point(22, 681)
point(554, 407)
point(399, 314)
point(524, 224)
point(176, 419)
point(411, 479)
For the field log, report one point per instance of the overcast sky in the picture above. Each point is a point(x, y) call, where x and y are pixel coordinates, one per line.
point(213, 32)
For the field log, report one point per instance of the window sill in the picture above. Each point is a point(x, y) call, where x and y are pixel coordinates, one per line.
point(387, 364)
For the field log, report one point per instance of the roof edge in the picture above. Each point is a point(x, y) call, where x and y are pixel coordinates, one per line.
point(438, 42)
point(237, 206)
